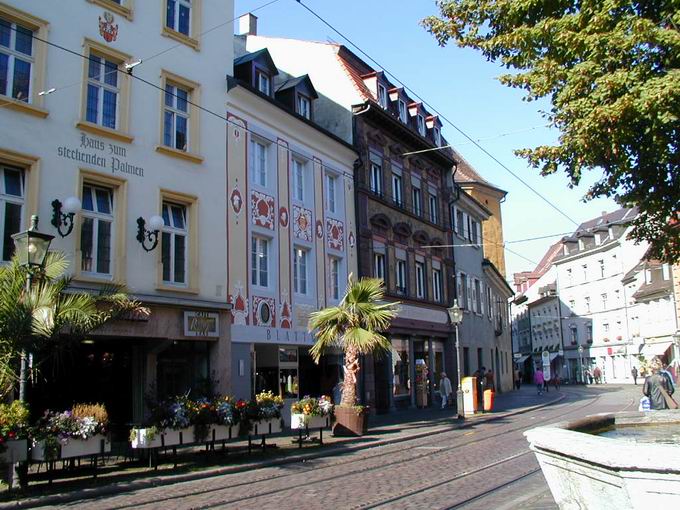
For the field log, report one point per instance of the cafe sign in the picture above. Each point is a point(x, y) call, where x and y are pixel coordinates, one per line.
point(203, 324)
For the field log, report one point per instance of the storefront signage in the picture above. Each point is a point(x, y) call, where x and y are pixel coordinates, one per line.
point(204, 324)
point(105, 155)
point(261, 335)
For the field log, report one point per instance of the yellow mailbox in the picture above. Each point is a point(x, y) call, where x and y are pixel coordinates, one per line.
point(470, 401)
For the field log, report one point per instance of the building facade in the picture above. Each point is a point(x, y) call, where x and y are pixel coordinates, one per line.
point(82, 125)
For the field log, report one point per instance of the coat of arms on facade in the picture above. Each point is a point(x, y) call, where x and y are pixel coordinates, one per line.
point(302, 223)
point(262, 209)
point(107, 29)
point(335, 234)
point(351, 240)
point(319, 229)
point(236, 200)
point(283, 217)
point(239, 306)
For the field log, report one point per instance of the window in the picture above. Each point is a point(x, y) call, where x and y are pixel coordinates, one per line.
point(401, 368)
point(489, 304)
point(174, 244)
point(434, 216)
point(16, 60)
point(574, 334)
point(304, 106)
point(665, 272)
point(617, 297)
point(570, 277)
point(478, 296)
point(331, 186)
point(382, 95)
point(437, 136)
point(379, 265)
point(437, 285)
point(589, 333)
point(584, 267)
point(474, 231)
point(417, 200)
point(460, 223)
point(604, 301)
point(176, 117)
point(12, 195)
point(462, 291)
point(421, 125)
point(96, 230)
point(178, 16)
point(420, 280)
point(402, 111)
point(335, 277)
point(397, 189)
point(259, 261)
point(258, 155)
point(587, 301)
point(300, 258)
point(122, 7)
point(298, 180)
point(376, 178)
point(102, 92)
point(466, 360)
point(601, 262)
point(401, 276)
point(605, 327)
point(263, 82)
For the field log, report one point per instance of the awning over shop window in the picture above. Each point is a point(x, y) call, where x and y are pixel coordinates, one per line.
point(553, 355)
point(651, 350)
point(521, 360)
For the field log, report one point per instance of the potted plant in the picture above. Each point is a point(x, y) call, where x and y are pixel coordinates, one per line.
point(13, 432)
point(78, 432)
point(311, 413)
point(356, 327)
point(228, 418)
point(264, 414)
point(170, 425)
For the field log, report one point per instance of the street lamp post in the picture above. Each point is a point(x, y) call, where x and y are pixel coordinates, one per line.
point(456, 316)
point(31, 251)
point(580, 361)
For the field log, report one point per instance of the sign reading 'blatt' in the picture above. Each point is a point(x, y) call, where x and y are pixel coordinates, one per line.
point(105, 155)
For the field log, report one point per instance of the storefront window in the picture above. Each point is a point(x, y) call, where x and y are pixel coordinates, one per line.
point(401, 368)
point(288, 381)
point(183, 368)
point(438, 368)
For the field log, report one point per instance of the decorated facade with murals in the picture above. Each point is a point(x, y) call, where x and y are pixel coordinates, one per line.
point(290, 228)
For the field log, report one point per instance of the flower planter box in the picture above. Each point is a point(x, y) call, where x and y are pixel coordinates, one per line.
point(262, 427)
point(153, 438)
point(222, 433)
point(71, 448)
point(302, 421)
point(16, 451)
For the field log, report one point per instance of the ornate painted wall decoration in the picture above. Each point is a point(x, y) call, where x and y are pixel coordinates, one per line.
point(107, 29)
point(335, 234)
point(262, 209)
point(236, 200)
point(351, 240)
point(319, 229)
point(239, 303)
point(264, 311)
point(302, 223)
point(286, 321)
point(283, 217)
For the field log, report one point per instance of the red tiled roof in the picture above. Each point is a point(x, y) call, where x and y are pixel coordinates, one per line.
point(547, 259)
point(355, 78)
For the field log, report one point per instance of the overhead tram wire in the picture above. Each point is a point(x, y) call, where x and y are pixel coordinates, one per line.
point(347, 175)
point(465, 135)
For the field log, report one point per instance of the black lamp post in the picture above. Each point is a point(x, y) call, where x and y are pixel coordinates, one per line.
point(456, 316)
point(31, 251)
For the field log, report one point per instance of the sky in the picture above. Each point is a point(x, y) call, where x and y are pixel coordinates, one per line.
point(462, 86)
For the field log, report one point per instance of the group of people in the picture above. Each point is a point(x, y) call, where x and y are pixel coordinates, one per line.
point(658, 388)
point(593, 376)
point(485, 380)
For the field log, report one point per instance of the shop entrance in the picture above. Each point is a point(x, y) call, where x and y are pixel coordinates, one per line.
point(276, 369)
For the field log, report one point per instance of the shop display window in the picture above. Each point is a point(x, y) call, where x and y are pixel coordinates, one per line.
point(401, 368)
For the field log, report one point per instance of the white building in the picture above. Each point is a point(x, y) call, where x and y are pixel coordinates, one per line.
point(79, 123)
point(593, 298)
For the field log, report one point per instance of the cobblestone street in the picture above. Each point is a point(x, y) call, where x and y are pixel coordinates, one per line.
point(486, 465)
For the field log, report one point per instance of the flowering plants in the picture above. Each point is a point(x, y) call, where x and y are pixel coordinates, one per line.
point(310, 406)
point(82, 422)
point(13, 422)
point(228, 411)
point(268, 405)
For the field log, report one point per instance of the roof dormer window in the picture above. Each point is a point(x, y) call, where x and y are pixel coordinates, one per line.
point(421, 125)
point(437, 136)
point(304, 106)
point(402, 111)
point(263, 82)
point(382, 95)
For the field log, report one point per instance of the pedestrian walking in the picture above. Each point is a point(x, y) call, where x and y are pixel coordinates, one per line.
point(539, 381)
point(489, 381)
point(597, 374)
point(518, 378)
point(634, 373)
point(556, 382)
point(668, 374)
point(445, 389)
point(658, 388)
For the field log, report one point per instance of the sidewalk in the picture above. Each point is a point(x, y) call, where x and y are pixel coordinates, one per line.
point(121, 475)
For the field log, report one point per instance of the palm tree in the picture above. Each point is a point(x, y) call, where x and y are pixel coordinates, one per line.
point(355, 326)
point(40, 318)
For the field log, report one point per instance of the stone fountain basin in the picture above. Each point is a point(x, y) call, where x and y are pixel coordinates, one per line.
point(586, 471)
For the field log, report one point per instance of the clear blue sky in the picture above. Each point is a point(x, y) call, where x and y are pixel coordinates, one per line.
point(462, 85)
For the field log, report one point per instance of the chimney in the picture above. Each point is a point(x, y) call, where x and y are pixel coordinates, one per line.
point(247, 24)
point(604, 213)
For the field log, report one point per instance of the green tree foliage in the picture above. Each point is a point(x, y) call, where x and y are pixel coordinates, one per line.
point(354, 326)
point(611, 71)
point(51, 314)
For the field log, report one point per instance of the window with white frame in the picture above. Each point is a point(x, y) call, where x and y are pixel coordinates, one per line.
point(376, 178)
point(298, 180)
point(460, 223)
point(304, 106)
point(665, 271)
point(420, 280)
point(584, 268)
point(437, 285)
point(601, 262)
point(421, 124)
point(382, 95)
point(474, 231)
point(589, 333)
point(401, 276)
point(16, 60)
point(587, 302)
point(103, 91)
point(604, 301)
point(176, 117)
point(174, 243)
point(605, 327)
point(263, 82)
point(300, 262)
point(331, 192)
point(96, 233)
point(478, 296)
point(12, 195)
point(397, 189)
point(434, 213)
point(417, 199)
point(258, 162)
point(463, 291)
point(178, 16)
point(570, 278)
point(489, 303)
point(335, 277)
point(402, 111)
point(379, 265)
point(259, 261)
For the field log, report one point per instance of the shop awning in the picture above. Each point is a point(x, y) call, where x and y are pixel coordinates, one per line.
point(522, 359)
point(553, 355)
point(651, 350)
